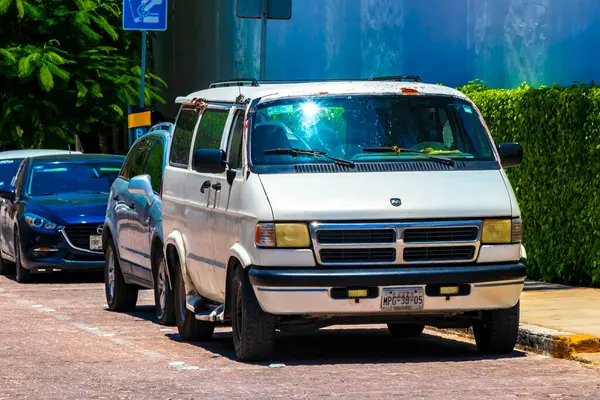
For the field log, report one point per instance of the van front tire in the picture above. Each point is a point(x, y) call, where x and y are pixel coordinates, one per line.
point(498, 330)
point(253, 329)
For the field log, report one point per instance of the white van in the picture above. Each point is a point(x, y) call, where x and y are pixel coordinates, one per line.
point(301, 205)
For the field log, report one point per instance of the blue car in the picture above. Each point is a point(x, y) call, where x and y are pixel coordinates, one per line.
point(132, 235)
point(53, 213)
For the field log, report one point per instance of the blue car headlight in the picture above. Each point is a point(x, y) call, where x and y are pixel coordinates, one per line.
point(35, 221)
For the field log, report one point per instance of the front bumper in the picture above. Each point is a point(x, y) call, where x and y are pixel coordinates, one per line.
point(289, 291)
point(62, 255)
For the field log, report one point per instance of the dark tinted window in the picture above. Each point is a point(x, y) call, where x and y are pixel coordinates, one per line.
point(20, 177)
point(182, 137)
point(8, 170)
point(210, 130)
point(235, 146)
point(135, 162)
point(154, 167)
point(69, 177)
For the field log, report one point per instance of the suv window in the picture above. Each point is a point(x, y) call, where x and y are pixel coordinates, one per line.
point(210, 130)
point(154, 167)
point(182, 137)
point(235, 144)
point(134, 164)
point(18, 179)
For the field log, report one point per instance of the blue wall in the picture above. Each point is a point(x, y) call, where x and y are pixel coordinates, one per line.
point(503, 42)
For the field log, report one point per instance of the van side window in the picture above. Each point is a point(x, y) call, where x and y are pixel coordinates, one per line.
point(235, 144)
point(210, 130)
point(182, 138)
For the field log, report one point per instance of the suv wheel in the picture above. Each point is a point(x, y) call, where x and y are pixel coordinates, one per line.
point(163, 295)
point(119, 295)
point(497, 331)
point(253, 329)
point(405, 330)
point(23, 275)
point(188, 326)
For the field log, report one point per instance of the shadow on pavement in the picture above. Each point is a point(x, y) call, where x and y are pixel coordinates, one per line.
point(63, 277)
point(354, 346)
point(534, 286)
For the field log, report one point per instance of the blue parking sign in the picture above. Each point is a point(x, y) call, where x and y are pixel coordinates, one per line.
point(145, 15)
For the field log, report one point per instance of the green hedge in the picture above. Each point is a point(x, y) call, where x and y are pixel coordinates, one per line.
point(557, 185)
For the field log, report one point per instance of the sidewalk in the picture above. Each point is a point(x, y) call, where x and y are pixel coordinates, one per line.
point(559, 321)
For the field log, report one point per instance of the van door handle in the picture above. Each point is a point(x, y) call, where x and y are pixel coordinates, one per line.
point(205, 185)
point(217, 186)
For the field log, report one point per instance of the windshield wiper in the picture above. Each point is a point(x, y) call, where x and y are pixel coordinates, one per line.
point(398, 150)
point(296, 152)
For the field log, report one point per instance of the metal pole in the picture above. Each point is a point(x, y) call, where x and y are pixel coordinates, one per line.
point(143, 75)
point(263, 41)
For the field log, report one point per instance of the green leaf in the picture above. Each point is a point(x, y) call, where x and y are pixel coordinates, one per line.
point(82, 90)
point(25, 69)
point(4, 5)
point(103, 23)
point(96, 91)
point(58, 72)
point(45, 78)
point(8, 56)
point(116, 109)
point(20, 8)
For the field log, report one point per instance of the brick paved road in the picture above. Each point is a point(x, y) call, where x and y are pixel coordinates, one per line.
point(58, 342)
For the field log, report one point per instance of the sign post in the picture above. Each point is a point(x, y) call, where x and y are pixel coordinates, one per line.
point(264, 10)
point(142, 15)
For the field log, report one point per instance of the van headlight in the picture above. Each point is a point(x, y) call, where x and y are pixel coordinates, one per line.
point(35, 221)
point(283, 235)
point(500, 231)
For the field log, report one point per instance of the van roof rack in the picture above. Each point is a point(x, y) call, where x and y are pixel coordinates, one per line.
point(256, 83)
point(399, 78)
point(234, 82)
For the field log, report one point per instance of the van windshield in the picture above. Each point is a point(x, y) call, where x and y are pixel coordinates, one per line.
point(369, 128)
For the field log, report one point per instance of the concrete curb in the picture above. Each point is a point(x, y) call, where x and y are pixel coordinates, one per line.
point(550, 342)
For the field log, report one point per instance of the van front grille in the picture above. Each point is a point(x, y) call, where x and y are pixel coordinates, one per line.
point(356, 236)
point(432, 235)
point(451, 253)
point(376, 255)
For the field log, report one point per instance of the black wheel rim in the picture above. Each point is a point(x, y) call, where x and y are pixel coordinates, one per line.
point(111, 275)
point(161, 290)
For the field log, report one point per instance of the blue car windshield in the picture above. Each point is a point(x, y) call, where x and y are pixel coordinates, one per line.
point(8, 169)
point(368, 128)
point(67, 177)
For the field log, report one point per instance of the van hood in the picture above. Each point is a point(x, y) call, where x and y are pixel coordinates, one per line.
point(367, 196)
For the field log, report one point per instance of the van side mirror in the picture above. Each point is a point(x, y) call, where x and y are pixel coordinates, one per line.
point(210, 161)
point(511, 154)
point(7, 193)
point(141, 185)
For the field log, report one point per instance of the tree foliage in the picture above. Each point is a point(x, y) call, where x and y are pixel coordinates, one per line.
point(66, 67)
point(556, 185)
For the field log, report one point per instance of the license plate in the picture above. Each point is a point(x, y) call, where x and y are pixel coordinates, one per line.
point(402, 299)
point(95, 242)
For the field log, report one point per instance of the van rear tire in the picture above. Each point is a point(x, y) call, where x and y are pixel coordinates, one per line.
point(189, 328)
point(498, 330)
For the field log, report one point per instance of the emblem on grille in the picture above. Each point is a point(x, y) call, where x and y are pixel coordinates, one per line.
point(99, 229)
point(396, 202)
